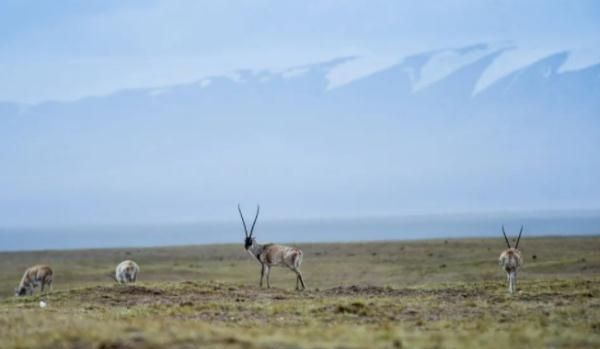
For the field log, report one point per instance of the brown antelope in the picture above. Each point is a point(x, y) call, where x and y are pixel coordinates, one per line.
point(126, 272)
point(38, 275)
point(269, 255)
point(510, 260)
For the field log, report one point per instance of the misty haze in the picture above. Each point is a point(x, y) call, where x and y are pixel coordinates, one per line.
point(269, 174)
point(375, 146)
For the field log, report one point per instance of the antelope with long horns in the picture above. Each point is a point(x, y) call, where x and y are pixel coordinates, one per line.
point(269, 255)
point(510, 260)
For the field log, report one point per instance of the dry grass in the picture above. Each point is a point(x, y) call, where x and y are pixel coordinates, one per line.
point(426, 294)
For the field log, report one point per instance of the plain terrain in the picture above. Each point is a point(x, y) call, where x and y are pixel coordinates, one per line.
point(429, 294)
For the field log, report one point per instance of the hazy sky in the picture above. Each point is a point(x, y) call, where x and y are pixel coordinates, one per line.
point(295, 143)
point(68, 49)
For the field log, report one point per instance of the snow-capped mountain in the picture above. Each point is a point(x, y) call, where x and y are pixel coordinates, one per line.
point(418, 136)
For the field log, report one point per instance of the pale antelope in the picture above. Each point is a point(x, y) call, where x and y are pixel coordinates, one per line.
point(126, 272)
point(510, 260)
point(38, 275)
point(269, 255)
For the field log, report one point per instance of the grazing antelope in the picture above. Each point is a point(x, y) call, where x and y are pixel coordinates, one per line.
point(126, 272)
point(38, 275)
point(269, 255)
point(510, 260)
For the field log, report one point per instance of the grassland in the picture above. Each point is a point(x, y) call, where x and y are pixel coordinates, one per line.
point(419, 294)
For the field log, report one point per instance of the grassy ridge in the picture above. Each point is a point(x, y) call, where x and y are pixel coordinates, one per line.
point(365, 295)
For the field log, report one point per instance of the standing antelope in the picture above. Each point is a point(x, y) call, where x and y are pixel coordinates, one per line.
point(126, 272)
point(510, 260)
point(38, 275)
point(269, 255)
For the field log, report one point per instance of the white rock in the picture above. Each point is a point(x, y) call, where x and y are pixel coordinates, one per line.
point(43, 304)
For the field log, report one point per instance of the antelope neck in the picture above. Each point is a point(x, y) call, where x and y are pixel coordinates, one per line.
point(255, 249)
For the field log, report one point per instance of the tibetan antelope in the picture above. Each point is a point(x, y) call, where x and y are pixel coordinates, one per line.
point(126, 272)
point(510, 260)
point(269, 255)
point(38, 275)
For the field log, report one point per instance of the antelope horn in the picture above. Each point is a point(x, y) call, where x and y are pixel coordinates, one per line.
point(505, 238)
point(243, 221)
point(255, 218)
point(519, 238)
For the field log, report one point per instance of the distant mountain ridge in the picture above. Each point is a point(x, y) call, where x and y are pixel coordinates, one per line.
point(376, 144)
point(401, 77)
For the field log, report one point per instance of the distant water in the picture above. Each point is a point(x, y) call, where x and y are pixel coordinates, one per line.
point(312, 230)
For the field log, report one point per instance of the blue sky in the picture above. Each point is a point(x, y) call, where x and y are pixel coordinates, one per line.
point(64, 50)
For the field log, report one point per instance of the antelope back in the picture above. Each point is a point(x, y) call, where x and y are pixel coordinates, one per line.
point(38, 272)
point(282, 255)
point(511, 258)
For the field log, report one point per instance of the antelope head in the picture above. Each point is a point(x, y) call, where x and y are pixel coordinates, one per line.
point(20, 291)
point(249, 241)
point(518, 239)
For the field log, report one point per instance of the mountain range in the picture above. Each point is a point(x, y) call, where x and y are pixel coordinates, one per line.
point(390, 142)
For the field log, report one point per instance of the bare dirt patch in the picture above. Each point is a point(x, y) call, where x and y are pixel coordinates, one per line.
point(361, 290)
